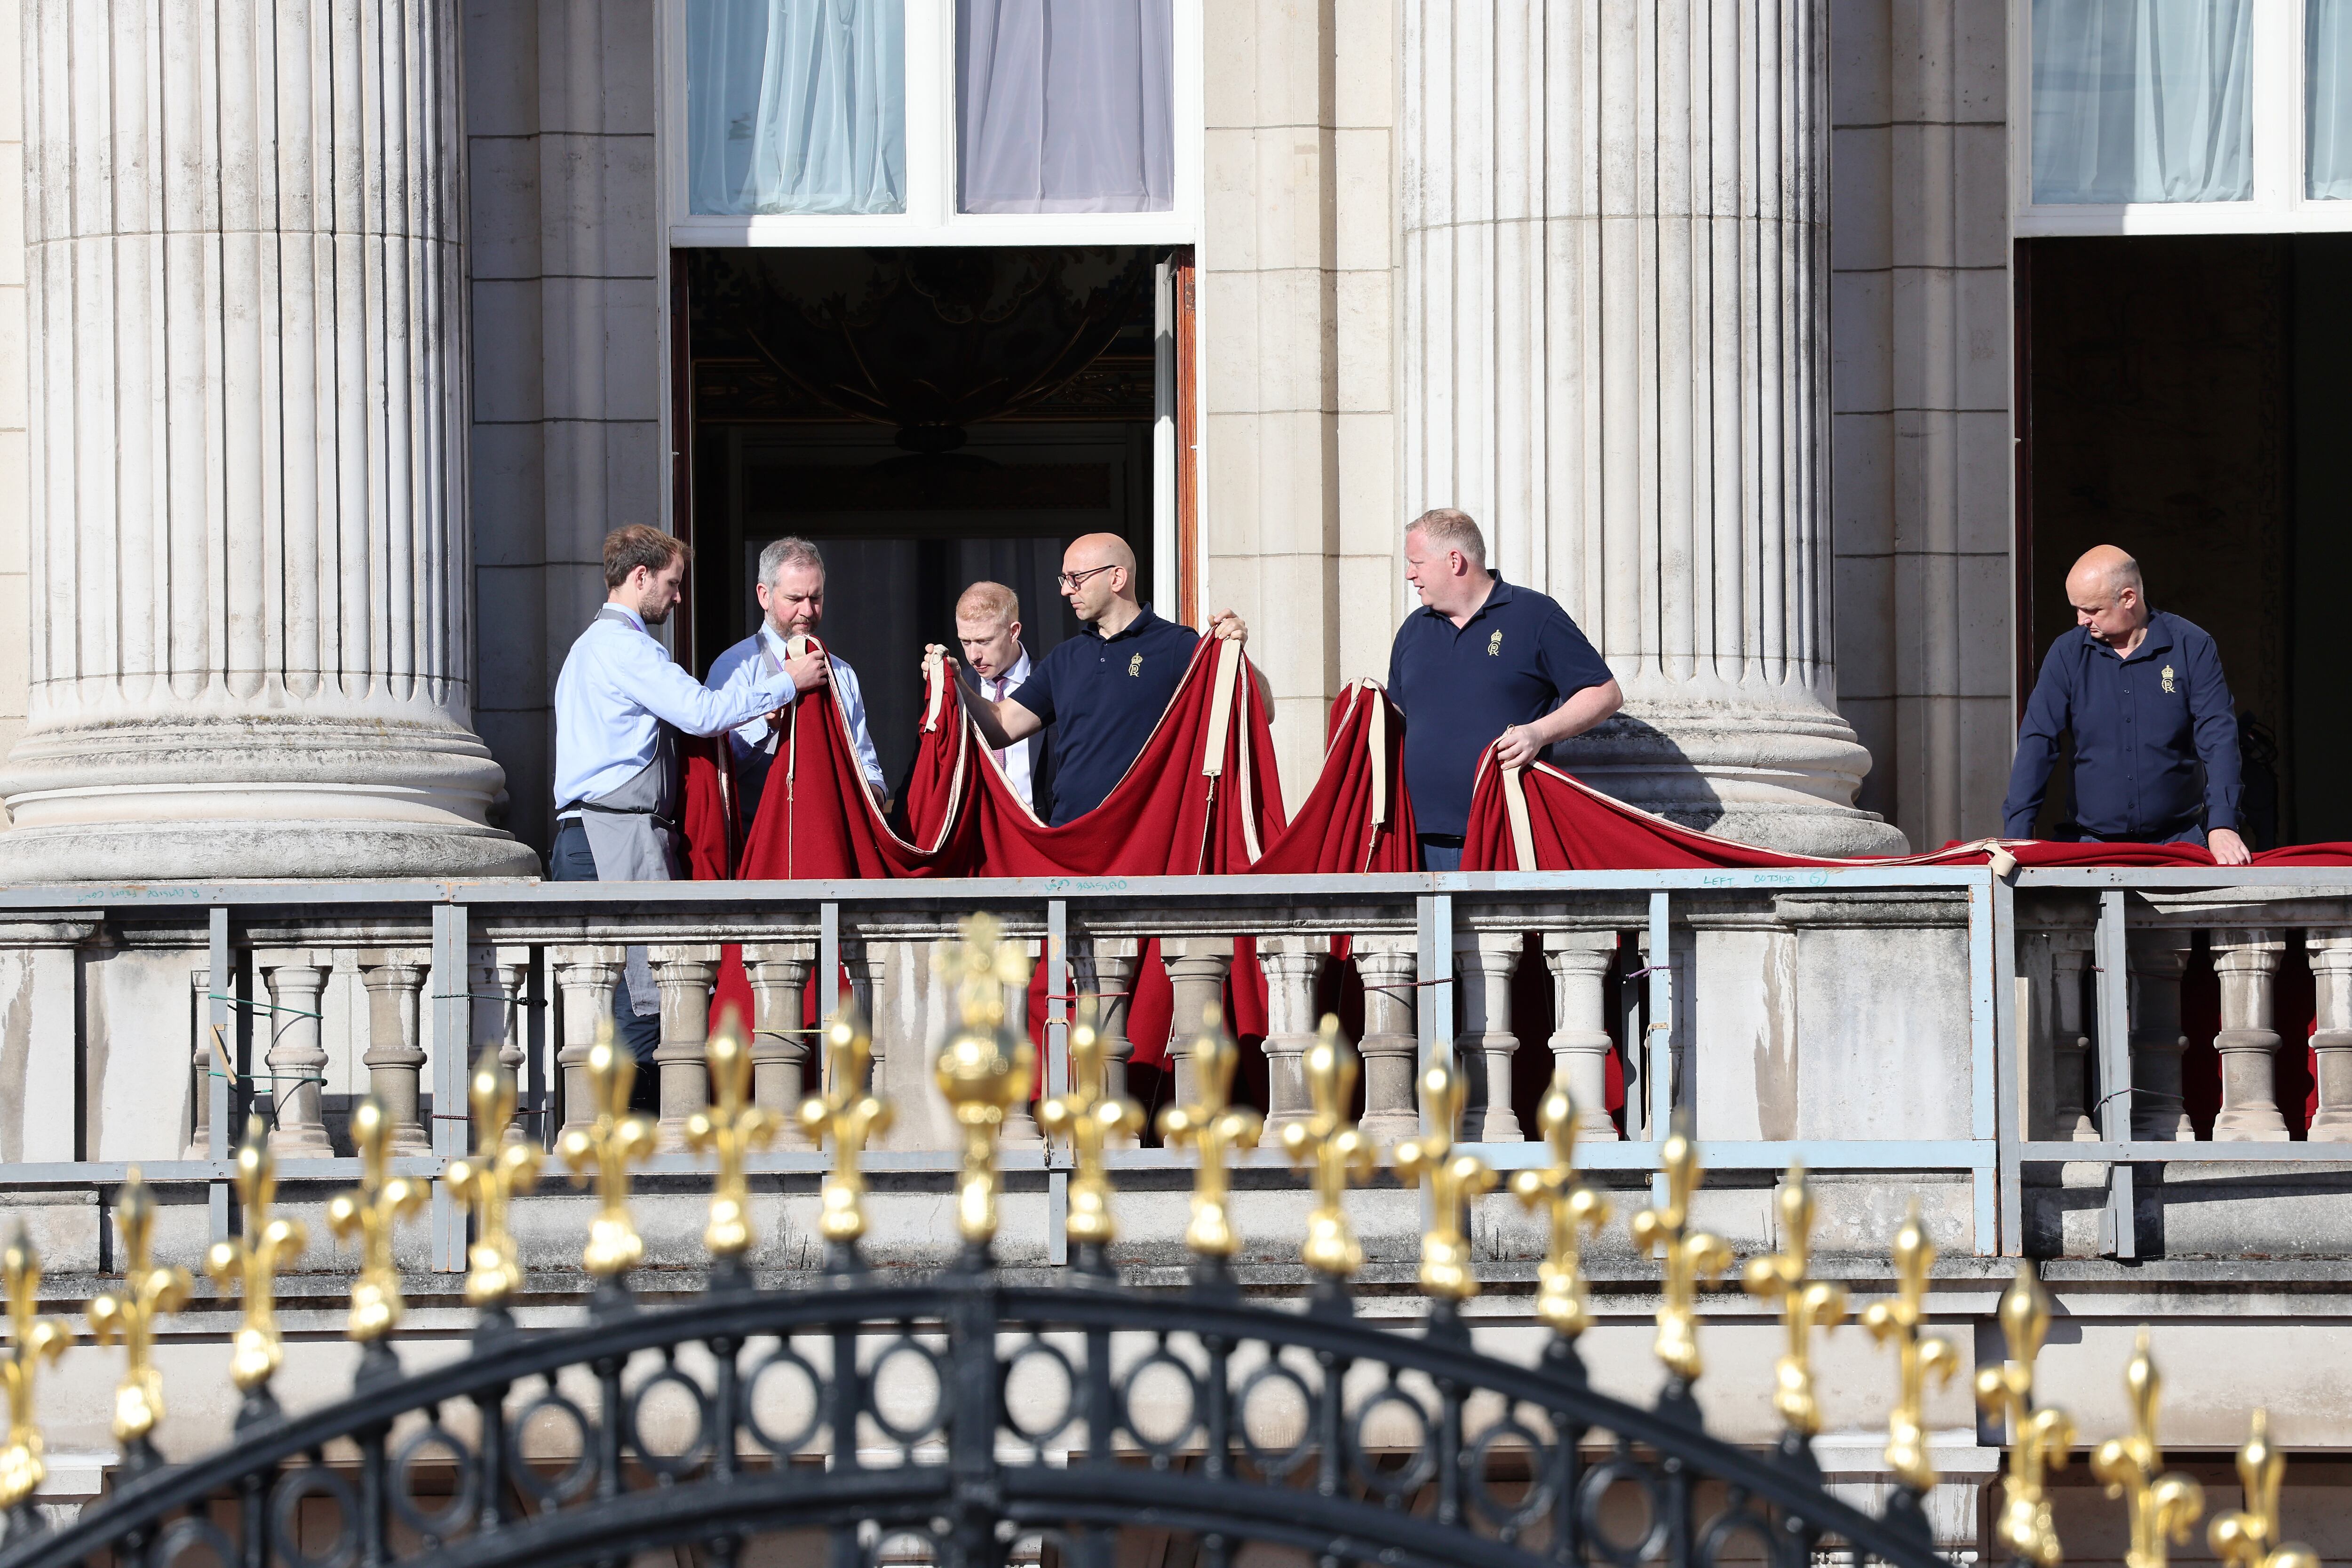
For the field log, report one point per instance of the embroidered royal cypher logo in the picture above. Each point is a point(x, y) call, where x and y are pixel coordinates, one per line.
point(2168, 677)
point(1135, 667)
point(1495, 646)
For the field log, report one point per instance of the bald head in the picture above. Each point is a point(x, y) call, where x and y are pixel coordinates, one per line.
point(1092, 550)
point(2104, 569)
point(1098, 580)
point(2109, 600)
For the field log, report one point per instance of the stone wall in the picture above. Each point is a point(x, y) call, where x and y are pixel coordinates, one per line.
point(16, 639)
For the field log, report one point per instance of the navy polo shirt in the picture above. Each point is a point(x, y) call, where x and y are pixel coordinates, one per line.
point(1516, 660)
point(2142, 725)
point(1107, 695)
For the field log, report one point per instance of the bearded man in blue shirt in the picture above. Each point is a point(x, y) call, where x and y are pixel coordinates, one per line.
point(2143, 692)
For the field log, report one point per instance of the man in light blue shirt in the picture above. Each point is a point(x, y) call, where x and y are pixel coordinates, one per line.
point(791, 599)
point(617, 702)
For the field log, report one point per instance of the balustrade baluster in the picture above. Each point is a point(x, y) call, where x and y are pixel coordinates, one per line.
point(1020, 1123)
point(2331, 1043)
point(1391, 1046)
point(495, 977)
point(868, 963)
point(1197, 967)
point(780, 972)
point(2247, 962)
point(1103, 969)
point(1293, 964)
point(2069, 1037)
point(1484, 1043)
point(2156, 957)
point(200, 1120)
point(1578, 960)
point(298, 1063)
point(684, 975)
point(585, 977)
point(395, 981)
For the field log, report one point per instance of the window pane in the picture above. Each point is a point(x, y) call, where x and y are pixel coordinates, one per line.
point(2328, 81)
point(1065, 106)
point(796, 106)
point(2142, 100)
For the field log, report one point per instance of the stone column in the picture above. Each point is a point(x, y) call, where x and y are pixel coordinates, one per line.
point(394, 1058)
point(1483, 962)
point(1292, 964)
point(2070, 1039)
point(2155, 959)
point(200, 1118)
point(684, 975)
point(1616, 358)
point(495, 977)
point(1103, 969)
point(778, 971)
point(2247, 962)
point(2331, 1043)
point(868, 963)
point(1197, 967)
point(1580, 1043)
point(1391, 1044)
point(585, 977)
point(298, 1063)
point(251, 635)
point(1020, 1129)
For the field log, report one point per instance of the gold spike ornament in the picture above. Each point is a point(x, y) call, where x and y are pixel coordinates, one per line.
point(1806, 1304)
point(370, 1212)
point(32, 1339)
point(1215, 1128)
point(848, 1115)
point(2249, 1537)
point(2040, 1440)
point(1573, 1206)
point(129, 1314)
point(985, 1068)
point(1335, 1147)
point(1691, 1256)
point(487, 1182)
point(731, 1129)
point(1919, 1358)
point(270, 1242)
point(1457, 1179)
point(603, 1150)
point(1089, 1116)
point(2161, 1507)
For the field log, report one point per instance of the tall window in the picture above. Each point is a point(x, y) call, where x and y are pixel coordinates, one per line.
point(796, 106)
point(2181, 116)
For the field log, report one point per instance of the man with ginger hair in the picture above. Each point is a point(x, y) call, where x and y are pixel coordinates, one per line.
point(1105, 689)
point(988, 625)
point(2143, 693)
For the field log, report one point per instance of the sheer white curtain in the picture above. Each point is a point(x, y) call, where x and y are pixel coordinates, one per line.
point(2328, 81)
point(2142, 100)
point(796, 106)
point(1066, 106)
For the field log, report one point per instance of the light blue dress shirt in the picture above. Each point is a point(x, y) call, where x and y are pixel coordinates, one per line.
point(619, 687)
point(751, 741)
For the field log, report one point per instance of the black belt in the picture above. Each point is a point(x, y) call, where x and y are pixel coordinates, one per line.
point(659, 820)
point(1441, 840)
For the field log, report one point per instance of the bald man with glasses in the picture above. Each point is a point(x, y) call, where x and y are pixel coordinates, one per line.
point(1105, 689)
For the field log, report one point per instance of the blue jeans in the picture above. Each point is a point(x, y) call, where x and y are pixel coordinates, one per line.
point(1440, 856)
point(572, 861)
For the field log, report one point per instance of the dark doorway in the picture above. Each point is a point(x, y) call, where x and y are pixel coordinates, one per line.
point(930, 418)
point(2180, 396)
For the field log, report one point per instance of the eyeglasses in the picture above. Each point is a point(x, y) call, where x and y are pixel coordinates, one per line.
point(1072, 579)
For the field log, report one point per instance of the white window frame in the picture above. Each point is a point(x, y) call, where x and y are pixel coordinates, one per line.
point(931, 218)
point(2280, 121)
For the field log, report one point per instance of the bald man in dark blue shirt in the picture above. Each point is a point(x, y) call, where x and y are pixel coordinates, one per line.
point(2143, 692)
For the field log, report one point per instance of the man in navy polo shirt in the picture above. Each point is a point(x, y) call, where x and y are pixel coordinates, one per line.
point(2143, 692)
point(1481, 662)
point(1103, 691)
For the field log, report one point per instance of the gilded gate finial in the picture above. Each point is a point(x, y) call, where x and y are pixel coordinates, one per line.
point(848, 1115)
point(369, 1211)
point(731, 1129)
point(1335, 1147)
point(1573, 1204)
point(2040, 1440)
point(2160, 1506)
point(1919, 1357)
point(32, 1339)
point(1457, 1179)
point(2249, 1537)
point(487, 1182)
point(1806, 1304)
point(129, 1314)
point(1691, 1256)
point(606, 1148)
point(269, 1243)
point(1215, 1127)
point(985, 1068)
point(1089, 1115)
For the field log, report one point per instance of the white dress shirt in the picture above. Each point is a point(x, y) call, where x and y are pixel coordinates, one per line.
point(617, 689)
point(1014, 758)
point(755, 737)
